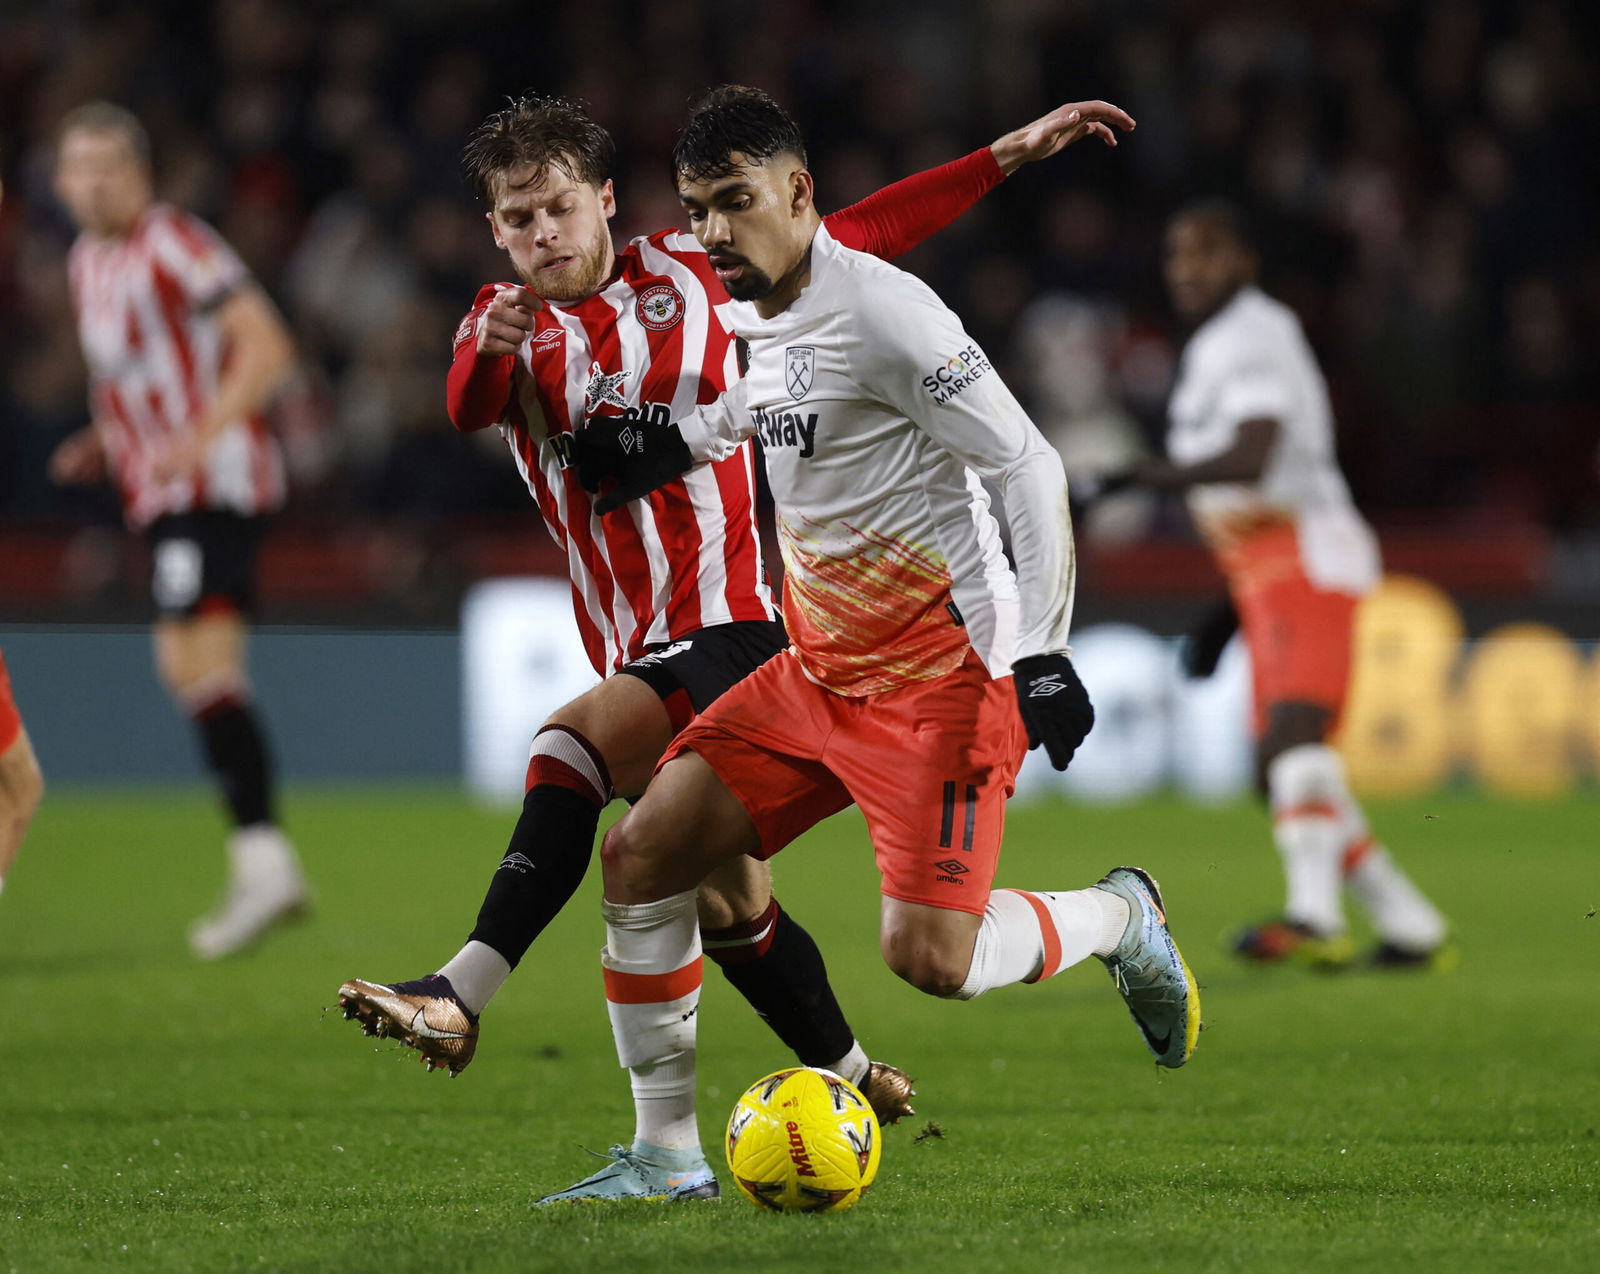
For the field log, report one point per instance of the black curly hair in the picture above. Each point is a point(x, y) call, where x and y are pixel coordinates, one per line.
point(733, 119)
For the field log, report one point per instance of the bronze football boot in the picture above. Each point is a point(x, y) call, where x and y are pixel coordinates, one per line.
point(425, 1015)
point(889, 1092)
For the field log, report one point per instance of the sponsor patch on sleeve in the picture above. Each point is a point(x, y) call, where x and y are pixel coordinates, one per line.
point(957, 372)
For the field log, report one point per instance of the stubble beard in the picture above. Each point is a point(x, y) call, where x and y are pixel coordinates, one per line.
point(576, 281)
point(752, 285)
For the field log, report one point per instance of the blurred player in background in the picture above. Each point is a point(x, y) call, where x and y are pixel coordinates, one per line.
point(21, 783)
point(1251, 442)
point(921, 668)
point(671, 599)
point(184, 351)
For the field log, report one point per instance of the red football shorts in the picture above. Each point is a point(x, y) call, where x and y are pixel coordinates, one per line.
point(931, 766)
point(1299, 635)
point(10, 719)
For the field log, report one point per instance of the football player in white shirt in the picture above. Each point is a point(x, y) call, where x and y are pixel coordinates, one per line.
point(1251, 442)
point(921, 669)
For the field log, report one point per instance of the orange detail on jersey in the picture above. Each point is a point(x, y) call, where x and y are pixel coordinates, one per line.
point(652, 988)
point(874, 620)
point(1047, 929)
point(1233, 533)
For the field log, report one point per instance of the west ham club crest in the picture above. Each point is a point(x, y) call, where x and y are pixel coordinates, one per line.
point(799, 364)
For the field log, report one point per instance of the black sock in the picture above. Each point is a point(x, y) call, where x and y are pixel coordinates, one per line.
point(236, 751)
point(543, 867)
point(776, 966)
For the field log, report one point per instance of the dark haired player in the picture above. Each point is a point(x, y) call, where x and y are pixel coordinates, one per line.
point(921, 669)
point(1251, 442)
point(184, 351)
point(671, 597)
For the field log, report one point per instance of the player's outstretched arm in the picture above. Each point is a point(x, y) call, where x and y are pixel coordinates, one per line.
point(1053, 133)
point(639, 457)
point(1244, 461)
point(487, 339)
point(897, 218)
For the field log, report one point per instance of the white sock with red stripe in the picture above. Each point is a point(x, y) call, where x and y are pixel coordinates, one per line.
point(1400, 912)
point(652, 971)
point(1307, 792)
point(1027, 937)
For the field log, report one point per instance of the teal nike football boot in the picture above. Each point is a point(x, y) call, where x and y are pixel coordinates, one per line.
point(637, 1172)
point(1149, 970)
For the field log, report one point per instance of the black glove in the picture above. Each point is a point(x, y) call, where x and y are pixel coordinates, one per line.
point(640, 457)
point(1202, 649)
point(1055, 706)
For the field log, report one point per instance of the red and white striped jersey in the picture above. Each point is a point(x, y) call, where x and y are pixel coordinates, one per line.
point(146, 306)
point(653, 344)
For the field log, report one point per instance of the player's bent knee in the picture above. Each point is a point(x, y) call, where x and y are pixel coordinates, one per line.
point(930, 970)
point(630, 855)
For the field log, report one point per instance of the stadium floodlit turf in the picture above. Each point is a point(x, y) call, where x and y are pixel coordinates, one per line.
point(157, 1114)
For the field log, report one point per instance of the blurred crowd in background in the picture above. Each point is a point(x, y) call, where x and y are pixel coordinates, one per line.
point(1421, 173)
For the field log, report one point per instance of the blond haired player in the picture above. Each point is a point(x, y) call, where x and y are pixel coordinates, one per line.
point(920, 668)
point(1251, 442)
point(184, 351)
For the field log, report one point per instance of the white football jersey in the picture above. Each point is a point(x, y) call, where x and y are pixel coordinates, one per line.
point(1248, 361)
point(880, 419)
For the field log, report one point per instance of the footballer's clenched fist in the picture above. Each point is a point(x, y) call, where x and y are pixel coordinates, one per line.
point(508, 320)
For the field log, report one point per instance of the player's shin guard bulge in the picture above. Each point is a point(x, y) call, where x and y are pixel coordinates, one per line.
point(652, 975)
point(1306, 787)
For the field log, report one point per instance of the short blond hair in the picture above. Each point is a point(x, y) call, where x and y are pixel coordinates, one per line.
point(108, 117)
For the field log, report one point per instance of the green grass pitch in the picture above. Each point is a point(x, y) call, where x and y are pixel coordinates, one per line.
point(160, 1115)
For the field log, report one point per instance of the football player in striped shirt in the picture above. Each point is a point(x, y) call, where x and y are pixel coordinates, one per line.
point(184, 352)
point(671, 597)
point(921, 668)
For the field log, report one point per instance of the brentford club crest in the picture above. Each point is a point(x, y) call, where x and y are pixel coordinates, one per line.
point(659, 307)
